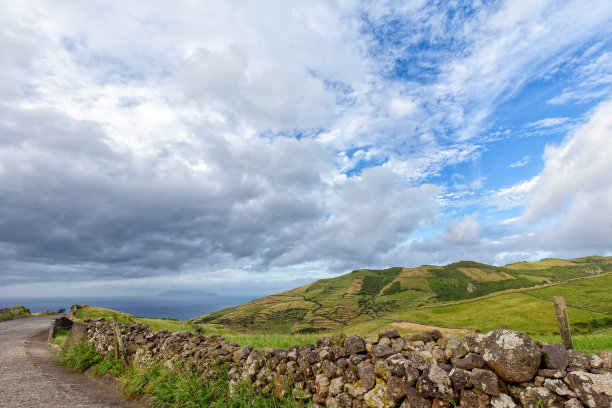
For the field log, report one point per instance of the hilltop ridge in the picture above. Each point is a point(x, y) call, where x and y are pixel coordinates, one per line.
point(365, 295)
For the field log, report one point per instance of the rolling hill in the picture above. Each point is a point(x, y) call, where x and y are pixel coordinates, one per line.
point(461, 295)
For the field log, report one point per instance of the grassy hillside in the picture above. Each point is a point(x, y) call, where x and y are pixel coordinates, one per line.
point(401, 293)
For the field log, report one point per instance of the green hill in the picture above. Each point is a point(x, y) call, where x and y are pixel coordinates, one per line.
point(364, 296)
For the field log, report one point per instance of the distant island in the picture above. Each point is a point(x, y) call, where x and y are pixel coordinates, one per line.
point(192, 293)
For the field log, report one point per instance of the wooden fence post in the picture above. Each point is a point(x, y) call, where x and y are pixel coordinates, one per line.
point(563, 320)
point(119, 349)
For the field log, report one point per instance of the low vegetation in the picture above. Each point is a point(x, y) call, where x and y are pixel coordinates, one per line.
point(13, 312)
point(84, 312)
point(171, 388)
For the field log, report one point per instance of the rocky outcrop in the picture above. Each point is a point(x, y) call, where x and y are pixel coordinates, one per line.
point(502, 369)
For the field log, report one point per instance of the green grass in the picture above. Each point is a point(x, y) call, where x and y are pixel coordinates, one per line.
point(116, 368)
point(79, 356)
point(592, 293)
point(587, 343)
point(273, 340)
point(514, 311)
point(186, 388)
point(180, 387)
point(60, 337)
point(173, 325)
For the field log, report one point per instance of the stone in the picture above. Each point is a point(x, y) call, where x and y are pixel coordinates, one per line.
point(329, 369)
point(485, 381)
point(382, 369)
point(439, 355)
point(473, 399)
point(551, 373)
point(345, 400)
point(559, 388)
point(336, 386)
point(435, 383)
point(322, 385)
point(377, 397)
point(573, 403)
point(398, 345)
point(337, 339)
point(331, 402)
point(395, 388)
point(503, 401)
point(469, 362)
point(416, 360)
point(555, 356)
point(539, 397)
point(381, 351)
point(470, 343)
point(355, 389)
point(594, 390)
point(596, 362)
point(354, 345)
point(389, 334)
point(414, 399)
point(578, 361)
point(606, 357)
point(511, 354)
point(460, 379)
point(366, 374)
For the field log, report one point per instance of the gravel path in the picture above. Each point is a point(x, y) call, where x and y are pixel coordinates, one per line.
point(30, 377)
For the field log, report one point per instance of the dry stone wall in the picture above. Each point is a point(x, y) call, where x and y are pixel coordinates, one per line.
point(501, 369)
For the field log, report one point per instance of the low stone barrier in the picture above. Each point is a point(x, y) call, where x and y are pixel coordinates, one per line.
point(500, 369)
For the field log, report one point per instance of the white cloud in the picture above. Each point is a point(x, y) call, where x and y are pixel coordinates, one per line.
point(580, 166)
point(548, 122)
point(462, 232)
point(520, 163)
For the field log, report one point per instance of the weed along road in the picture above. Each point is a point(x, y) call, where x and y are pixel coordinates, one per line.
point(30, 377)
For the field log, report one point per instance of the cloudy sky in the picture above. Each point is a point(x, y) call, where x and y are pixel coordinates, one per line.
point(250, 146)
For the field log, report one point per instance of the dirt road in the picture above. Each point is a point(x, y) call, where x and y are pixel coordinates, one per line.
point(30, 377)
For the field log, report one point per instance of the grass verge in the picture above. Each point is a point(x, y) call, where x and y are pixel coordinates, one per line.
point(79, 356)
point(587, 343)
point(180, 387)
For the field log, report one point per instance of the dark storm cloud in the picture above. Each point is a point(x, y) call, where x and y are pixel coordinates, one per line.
point(67, 195)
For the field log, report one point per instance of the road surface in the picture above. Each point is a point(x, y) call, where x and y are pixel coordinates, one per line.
point(30, 377)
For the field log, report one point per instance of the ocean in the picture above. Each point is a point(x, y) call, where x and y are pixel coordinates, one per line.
point(181, 308)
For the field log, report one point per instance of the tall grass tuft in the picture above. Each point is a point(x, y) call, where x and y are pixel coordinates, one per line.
point(79, 356)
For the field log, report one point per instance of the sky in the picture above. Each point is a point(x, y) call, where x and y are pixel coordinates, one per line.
point(249, 147)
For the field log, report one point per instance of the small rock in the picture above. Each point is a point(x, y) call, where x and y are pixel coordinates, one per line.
point(460, 379)
point(354, 345)
point(559, 388)
point(389, 334)
point(578, 361)
point(540, 397)
point(473, 399)
point(573, 403)
point(503, 401)
point(469, 362)
point(606, 357)
point(366, 374)
point(395, 388)
point(381, 351)
point(414, 399)
point(485, 381)
point(377, 397)
point(555, 356)
point(435, 383)
point(336, 386)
